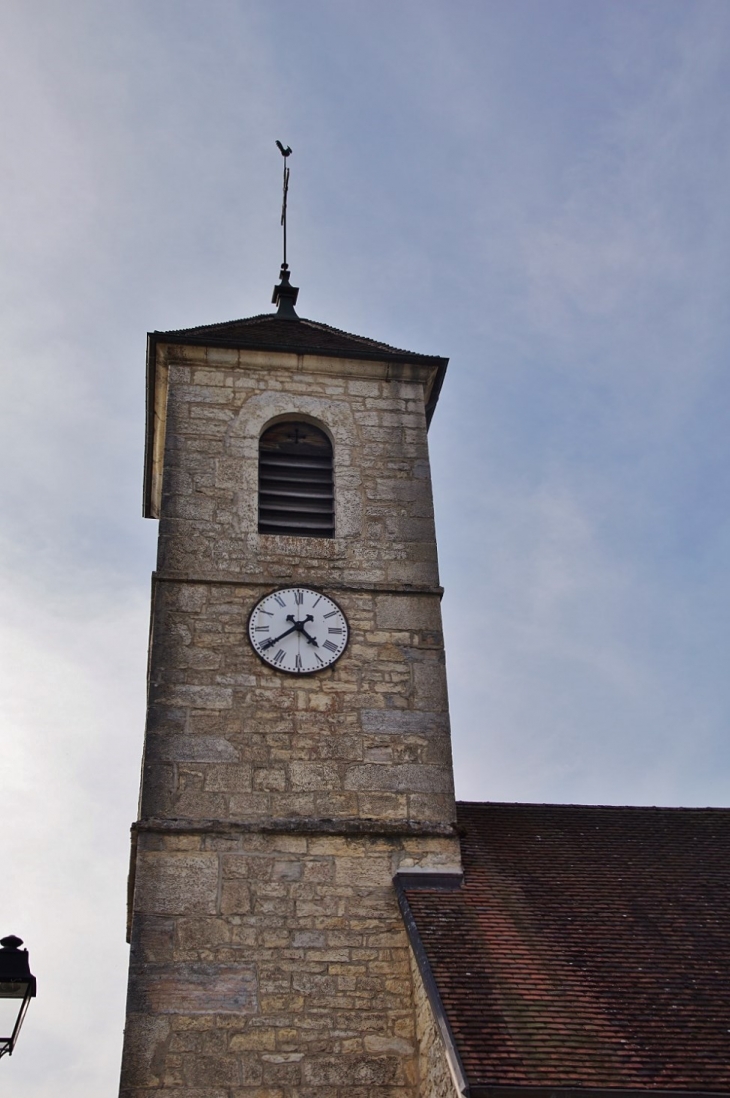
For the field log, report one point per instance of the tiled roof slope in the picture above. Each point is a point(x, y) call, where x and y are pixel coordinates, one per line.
point(589, 947)
point(272, 333)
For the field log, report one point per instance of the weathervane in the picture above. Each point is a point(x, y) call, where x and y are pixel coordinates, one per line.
point(285, 152)
point(285, 295)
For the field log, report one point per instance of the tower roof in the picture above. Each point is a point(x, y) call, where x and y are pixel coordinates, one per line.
point(271, 332)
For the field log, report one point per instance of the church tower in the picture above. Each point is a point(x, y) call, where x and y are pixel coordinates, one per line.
point(297, 753)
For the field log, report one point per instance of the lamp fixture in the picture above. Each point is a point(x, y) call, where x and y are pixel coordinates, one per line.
point(16, 983)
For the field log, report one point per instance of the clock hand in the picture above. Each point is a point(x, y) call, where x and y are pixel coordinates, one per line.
point(297, 627)
point(274, 640)
point(300, 627)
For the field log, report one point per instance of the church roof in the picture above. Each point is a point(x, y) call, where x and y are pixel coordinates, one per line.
point(270, 332)
point(589, 947)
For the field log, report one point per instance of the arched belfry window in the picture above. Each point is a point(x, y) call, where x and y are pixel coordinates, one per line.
point(295, 481)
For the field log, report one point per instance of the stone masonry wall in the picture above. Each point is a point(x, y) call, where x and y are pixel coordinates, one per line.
point(272, 965)
point(220, 401)
point(229, 737)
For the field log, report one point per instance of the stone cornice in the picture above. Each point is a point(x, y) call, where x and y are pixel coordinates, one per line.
point(244, 581)
point(296, 825)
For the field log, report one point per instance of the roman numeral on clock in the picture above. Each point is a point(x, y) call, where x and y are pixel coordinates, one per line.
point(333, 629)
point(280, 600)
point(329, 645)
point(299, 597)
point(279, 656)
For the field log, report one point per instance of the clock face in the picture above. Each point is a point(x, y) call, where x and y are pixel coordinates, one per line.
point(298, 630)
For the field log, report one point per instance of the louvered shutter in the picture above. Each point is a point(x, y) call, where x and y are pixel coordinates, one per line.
point(295, 481)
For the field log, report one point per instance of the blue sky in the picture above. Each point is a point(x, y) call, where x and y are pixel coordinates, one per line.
point(535, 188)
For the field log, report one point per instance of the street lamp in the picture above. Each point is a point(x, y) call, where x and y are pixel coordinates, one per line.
point(16, 983)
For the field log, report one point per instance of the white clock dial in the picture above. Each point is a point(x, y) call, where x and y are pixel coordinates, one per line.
point(298, 630)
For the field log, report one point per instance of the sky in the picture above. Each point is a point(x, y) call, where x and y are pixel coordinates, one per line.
point(536, 189)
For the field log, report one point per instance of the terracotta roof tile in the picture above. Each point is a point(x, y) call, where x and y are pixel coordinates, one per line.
point(589, 947)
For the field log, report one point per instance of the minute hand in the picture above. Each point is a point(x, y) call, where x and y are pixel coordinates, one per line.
point(275, 640)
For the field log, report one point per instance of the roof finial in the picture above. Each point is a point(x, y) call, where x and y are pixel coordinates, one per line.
point(285, 296)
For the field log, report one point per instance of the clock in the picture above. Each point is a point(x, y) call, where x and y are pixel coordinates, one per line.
point(298, 630)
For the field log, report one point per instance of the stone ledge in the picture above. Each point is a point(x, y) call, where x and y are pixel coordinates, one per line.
point(243, 581)
point(295, 825)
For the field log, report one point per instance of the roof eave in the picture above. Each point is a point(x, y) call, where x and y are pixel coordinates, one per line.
point(483, 1090)
point(151, 367)
point(179, 338)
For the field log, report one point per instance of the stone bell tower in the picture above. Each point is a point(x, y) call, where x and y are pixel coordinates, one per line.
point(286, 461)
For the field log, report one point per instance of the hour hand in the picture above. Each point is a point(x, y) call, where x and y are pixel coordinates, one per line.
point(300, 627)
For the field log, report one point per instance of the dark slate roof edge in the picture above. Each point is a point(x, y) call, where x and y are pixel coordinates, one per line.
point(420, 879)
point(452, 1053)
point(479, 1090)
point(598, 807)
point(206, 334)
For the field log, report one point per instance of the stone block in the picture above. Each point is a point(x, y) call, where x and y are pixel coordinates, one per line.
point(383, 805)
point(235, 898)
point(412, 612)
point(403, 778)
point(242, 805)
point(199, 697)
point(433, 806)
point(287, 870)
point(367, 871)
point(195, 935)
point(293, 804)
point(189, 598)
point(193, 803)
point(401, 722)
point(145, 1050)
point(429, 681)
point(206, 1071)
point(191, 988)
point(280, 1071)
point(185, 748)
point(396, 1045)
point(152, 939)
point(227, 779)
point(254, 1040)
point(269, 779)
point(313, 776)
point(176, 884)
point(246, 867)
